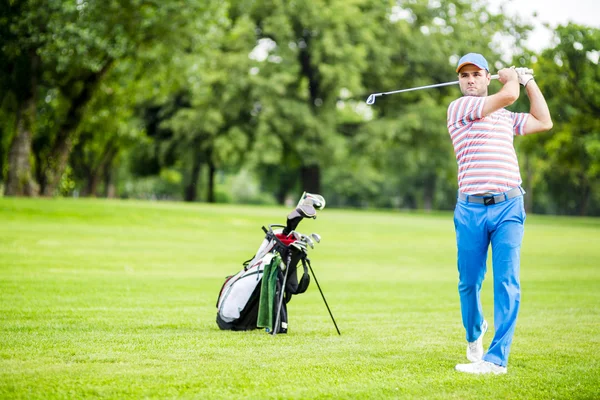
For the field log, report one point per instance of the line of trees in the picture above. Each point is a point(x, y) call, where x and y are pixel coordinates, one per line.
point(257, 100)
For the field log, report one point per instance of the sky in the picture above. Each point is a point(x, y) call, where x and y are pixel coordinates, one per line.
point(554, 12)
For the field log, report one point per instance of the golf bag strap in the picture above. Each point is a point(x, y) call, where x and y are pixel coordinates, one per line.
point(305, 280)
point(245, 263)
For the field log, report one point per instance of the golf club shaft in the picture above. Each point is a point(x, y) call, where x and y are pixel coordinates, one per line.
point(280, 304)
point(371, 98)
point(323, 296)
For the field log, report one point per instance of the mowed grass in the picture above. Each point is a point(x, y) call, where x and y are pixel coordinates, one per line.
point(116, 299)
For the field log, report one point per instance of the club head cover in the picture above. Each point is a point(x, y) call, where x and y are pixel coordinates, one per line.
point(294, 218)
point(306, 210)
point(315, 200)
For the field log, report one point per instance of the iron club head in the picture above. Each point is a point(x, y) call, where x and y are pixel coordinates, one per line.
point(371, 99)
point(299, 245)
point(295, 234)
point(316, 236)
point(308, 241)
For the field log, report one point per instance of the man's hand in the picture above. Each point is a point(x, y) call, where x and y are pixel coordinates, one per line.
point(525, 75)
point(507, 74)
point(507, 95)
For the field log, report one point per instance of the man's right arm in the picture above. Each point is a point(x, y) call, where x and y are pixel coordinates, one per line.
point(539, 119)
point(505, 96)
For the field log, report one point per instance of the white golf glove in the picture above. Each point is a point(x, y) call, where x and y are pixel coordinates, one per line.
point(525, 75)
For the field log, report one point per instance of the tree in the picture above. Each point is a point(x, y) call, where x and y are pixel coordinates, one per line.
point(566, 162)
point(108, 130)
point(64, 50)
point(206, 117)
point(313, 51)
point(406, 138)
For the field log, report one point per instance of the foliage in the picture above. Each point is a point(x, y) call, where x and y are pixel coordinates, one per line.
point(276, 89)
point(567, 161)
point(60, 52)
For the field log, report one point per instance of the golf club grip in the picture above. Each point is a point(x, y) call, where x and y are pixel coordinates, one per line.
point(529, 71)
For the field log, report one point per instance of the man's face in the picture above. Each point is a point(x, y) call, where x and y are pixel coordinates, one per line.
point(473, 81)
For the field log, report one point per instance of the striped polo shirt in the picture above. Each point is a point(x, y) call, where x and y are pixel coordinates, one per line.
point(486, 157)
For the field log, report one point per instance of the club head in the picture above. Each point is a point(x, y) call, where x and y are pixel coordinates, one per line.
point(308, 241)
point(371, 99)
point(316, 237)
point(295, 234)
point(299, 245)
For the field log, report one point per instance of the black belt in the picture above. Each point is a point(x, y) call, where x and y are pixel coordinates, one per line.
point(495, 199)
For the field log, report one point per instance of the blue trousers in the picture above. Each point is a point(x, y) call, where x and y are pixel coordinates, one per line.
point(477, 226)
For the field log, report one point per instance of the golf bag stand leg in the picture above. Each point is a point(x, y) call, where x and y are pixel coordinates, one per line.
point(282, 294)
point(322, 295)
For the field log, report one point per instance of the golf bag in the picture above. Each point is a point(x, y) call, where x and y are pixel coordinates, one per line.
point(257, 296)
point(251, 298)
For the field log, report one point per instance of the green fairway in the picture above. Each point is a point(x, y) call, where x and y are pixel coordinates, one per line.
point(116, 299)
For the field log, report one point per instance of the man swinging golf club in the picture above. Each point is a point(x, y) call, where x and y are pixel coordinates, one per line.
point(490, 206)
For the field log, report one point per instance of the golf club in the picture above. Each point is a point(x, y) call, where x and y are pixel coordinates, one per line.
point(295, 234)
point(299, 245)
point(316, 236)
point(312, 245)
point(371, 98)
point(282, 290)
point(308, 241)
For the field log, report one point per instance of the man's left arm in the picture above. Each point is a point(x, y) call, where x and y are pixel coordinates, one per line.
point(539, 119)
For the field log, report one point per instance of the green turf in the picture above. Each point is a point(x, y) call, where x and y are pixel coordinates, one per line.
point(116, 299)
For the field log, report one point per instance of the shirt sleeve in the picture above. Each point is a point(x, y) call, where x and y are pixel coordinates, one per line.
point(519, 121)
point(465, 110)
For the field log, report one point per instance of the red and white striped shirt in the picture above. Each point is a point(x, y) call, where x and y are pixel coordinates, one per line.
point(486, 157)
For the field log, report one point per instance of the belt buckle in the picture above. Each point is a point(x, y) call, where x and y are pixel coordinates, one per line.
point(488, 201)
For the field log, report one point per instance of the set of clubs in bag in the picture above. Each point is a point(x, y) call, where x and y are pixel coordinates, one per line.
point(302, 241)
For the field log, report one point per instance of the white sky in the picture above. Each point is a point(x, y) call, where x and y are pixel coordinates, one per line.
point(554, 12)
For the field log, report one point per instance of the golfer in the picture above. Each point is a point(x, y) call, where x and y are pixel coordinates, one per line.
point(490, 206)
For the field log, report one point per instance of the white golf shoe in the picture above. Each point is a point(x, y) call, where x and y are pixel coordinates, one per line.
point(481, 367)
point(475, 349)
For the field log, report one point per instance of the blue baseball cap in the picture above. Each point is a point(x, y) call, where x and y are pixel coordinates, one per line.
point(473, 58)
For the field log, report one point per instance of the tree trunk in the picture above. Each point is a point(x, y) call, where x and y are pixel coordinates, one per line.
point(92, 185)
point(211, 183)
point(110, 188)
point(19, 181)
point(56, 164)
point(585, 197)
point(429, 193)
point(98, 174)
point(59, 155)
point(286, 181)
point(281, 195)
point(311, 178)
point(190, 192)
point(311, 175)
